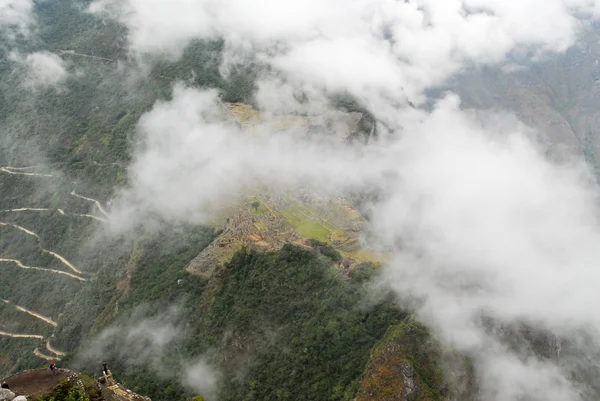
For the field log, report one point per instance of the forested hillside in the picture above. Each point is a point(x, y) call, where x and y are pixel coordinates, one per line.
point(227, 219)
point(279, 324)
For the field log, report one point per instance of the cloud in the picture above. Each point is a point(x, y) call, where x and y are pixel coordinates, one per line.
point(41, 69)
point(480, 222)
point(152, 341)
point(138, 341)
point(214, 160)
point(200, 377)
point(156, 26)
point(16, 18)
point(378, 44)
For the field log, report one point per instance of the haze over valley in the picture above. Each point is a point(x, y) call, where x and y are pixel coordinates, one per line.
point(318, 200)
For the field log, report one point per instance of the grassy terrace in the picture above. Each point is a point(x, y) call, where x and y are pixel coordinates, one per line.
point(312, 222)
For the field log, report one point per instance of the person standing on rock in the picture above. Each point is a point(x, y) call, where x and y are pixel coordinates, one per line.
point(105, 368)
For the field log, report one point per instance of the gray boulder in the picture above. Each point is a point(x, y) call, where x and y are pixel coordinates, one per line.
point(6, 394)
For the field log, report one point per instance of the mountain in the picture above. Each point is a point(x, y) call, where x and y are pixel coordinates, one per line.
point(556, 95)
point(279, 295)
point(65, 154)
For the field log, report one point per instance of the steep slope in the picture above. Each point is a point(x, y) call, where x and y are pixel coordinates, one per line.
point(557, 95)
point(276, 322)
point(276, 297)
point(406, 365)
point(62, 154)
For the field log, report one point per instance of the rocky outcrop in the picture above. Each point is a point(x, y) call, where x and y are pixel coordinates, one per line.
point(265, 230)
point(34, 383)
point(6, 394)
point(405, 366)
point(37, 383)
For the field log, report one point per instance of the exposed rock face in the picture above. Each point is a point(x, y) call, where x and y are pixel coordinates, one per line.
point(6, 394)
point(243, 229)
point(405, 367)
point(272, 219)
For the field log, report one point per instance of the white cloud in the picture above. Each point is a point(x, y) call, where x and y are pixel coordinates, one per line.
point(138, 341)
point(41, 69)
point(480, 222)
point(487, 226)
point(212, 160)
point(426, 41)
point(157, 26)
point(152, 341)
point(16, 18)
point(200, 377)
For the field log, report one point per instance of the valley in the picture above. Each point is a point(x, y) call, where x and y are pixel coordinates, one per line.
point(281, 291)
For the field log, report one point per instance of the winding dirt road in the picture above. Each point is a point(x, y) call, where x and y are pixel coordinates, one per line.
point(88, 215)
point(21, 168)
point(57, 354)
point(98, 204)
point(20, 171)
point(74, 53)
point(26, 231)
point(54, 350)
point(33, 209)
point(14, 335)
point(32, 313)
point(10, 170)
point(23, 171)
point(37, 353)
point(39, 209)
point(37, 237)
point(22, 266)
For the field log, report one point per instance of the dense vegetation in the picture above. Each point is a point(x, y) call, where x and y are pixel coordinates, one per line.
point(278, 325)
point(66, 391)
point(78, 388)
point(286, 319)
point(81, 133)
point(324, 329)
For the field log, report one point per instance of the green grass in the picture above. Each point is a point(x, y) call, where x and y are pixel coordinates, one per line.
point(305, 227)
point(314, 214)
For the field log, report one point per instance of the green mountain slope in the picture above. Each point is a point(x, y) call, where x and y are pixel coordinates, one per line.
point(275, 301)
point(65, 154)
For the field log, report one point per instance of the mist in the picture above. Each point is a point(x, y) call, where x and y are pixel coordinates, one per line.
point(152, 341)
point(41, 70)
point(16, 18)
point(479, 220)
